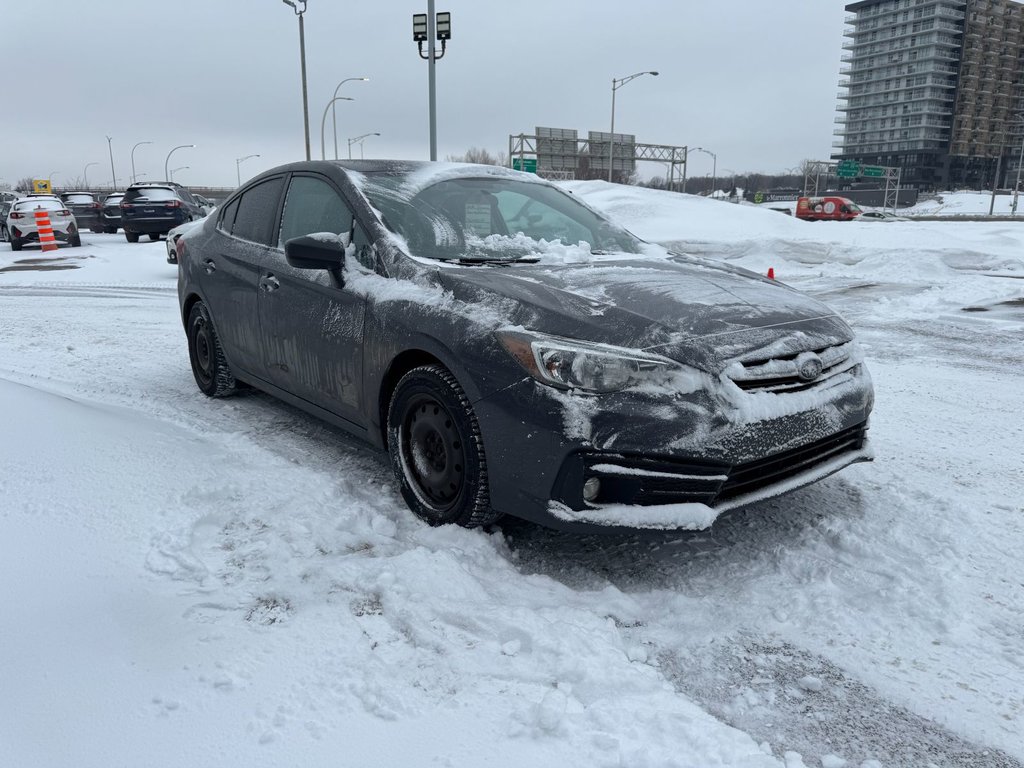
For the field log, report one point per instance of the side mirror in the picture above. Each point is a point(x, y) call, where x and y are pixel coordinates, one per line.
point(319, 251)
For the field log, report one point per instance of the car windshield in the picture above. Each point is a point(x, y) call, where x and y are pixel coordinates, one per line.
point(491, 219)
point(854, 208)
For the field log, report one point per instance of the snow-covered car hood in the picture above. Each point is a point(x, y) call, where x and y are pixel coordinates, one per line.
point(690, 310)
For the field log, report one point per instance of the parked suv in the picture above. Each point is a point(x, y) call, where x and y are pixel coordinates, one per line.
point(155, 208)
point(111, 212)
point(86, 209)
point(21, 222)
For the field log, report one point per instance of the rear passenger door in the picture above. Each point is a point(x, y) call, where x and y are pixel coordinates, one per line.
point(312, 325)
point(245, 245)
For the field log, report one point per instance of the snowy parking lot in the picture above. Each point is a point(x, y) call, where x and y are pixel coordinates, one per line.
point(234, 583)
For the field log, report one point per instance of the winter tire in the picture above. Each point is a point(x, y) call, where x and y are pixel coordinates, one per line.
point(76, 240)
point(437, 451)
point(131, 237)
point(209, 366)
point(15, 244)
point(154, 236)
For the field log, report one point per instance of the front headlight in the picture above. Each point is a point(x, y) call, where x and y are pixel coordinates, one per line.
point(571, 364)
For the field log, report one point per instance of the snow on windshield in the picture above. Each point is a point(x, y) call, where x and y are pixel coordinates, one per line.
point(458, 212)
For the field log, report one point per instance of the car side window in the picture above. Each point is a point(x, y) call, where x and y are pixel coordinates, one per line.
point(312, 205)
point(257, 212)
point(227, 218)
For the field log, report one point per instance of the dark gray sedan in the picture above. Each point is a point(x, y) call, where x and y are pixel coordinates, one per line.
point(515, 352)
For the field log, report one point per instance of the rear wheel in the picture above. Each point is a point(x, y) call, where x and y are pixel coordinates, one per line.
point(131, 237)
point(154, 236)
point(15, 244)
point(209, 366)
point(437, 451)
point(3, 233)
point(76, 240)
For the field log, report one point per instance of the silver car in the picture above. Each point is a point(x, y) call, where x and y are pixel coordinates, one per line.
point(21, 222)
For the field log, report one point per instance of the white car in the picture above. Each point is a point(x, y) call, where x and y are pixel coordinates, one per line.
point(21, 221)
point(172, 239)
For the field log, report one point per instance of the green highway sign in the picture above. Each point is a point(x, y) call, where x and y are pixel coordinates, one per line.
point(528, 164)
point(848, 169)
point(873, 170)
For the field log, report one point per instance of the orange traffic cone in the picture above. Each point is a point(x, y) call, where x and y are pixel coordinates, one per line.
point(771, 273)
point(45, 228)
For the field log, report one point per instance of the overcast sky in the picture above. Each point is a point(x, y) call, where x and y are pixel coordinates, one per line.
point(753, 81)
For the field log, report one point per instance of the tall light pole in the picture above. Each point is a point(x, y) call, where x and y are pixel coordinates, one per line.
point(426, 27)
point(133, 157)
point(358, 140)
point(334, 116)
point(85, 173)
point(1016, 187)
point(238, 164)
point(113, 175)
point(175, 170)
point(180, 146)
point(50, 178)
point(616, 84)
point(323, 122)
point(302, 55)
point(714, 165)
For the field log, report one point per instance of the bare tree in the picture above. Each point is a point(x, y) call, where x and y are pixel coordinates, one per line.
point(480, 156)
point(24, 185)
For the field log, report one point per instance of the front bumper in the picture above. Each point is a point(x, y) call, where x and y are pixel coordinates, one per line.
point(664, 462)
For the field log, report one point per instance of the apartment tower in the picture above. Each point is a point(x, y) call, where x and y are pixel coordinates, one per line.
point(935, 87)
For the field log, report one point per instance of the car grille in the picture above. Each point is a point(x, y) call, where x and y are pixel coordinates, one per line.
point(781, 373)
point(647, 480)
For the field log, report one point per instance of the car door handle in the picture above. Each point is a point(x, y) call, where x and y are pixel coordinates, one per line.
point(210, 266)
point(269, 283)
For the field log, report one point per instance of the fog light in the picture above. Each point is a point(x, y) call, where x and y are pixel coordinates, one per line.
point(591, 488)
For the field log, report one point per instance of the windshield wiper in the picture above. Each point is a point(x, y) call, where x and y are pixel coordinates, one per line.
point(464, 261)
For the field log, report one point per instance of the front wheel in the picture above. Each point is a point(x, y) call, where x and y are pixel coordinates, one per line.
point(437, 451)
point(209, 366)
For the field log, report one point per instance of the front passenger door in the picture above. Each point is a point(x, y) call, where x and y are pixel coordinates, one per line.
point(312, 327)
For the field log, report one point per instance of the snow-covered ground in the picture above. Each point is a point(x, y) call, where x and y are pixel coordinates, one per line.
point(233, 583)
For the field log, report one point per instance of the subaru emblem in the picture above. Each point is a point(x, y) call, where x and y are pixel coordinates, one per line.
point(808, 366)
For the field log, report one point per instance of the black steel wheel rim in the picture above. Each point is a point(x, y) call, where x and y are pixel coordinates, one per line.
point(203, 345)
point(433, 452)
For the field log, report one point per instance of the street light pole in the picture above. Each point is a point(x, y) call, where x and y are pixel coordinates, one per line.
point(714, 166)
point(323, 122)
point(302, 55)
point(358, 140)
point(334, 116)
point(425, 29)
point(133, 157)
point(85, 173)
point(238, 164)
point(113, 175)
point(1016, 187)
point(175, 170)
point(167, 159)
point(616, 84)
